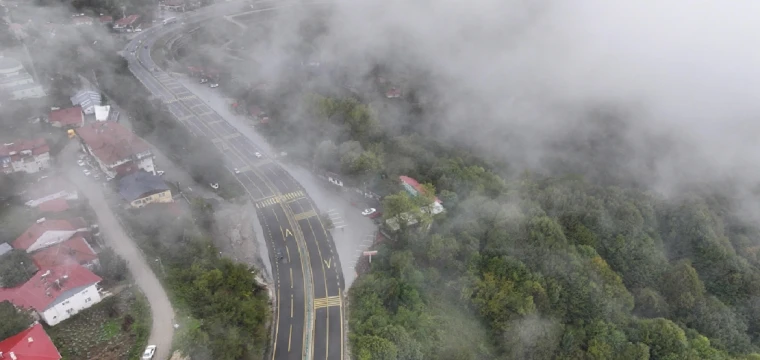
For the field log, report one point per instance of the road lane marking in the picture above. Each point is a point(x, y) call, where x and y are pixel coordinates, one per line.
point(290, 336)
point(327, 302)
point(305, 215)
point(291, 285)
point(291, 306)
point(328, 262)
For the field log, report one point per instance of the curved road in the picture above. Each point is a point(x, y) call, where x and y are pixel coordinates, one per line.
point(309, 283)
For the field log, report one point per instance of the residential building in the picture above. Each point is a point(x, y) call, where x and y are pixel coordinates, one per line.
point(56, 293)
point(127, 24)
point(102, 113)
point(4, 248)
point(48, 232)
point(30, 344)
point(68, 118)
point(54, 206)
point(29, 156)
point(414, 188)
point(86, 100)
point(106, 19)
point(141, 188)
point(74, 250)
point(393, 93)
point(117, 150)
point(16, 81)
point(50, 188)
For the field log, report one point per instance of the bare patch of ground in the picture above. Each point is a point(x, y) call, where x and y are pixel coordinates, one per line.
point(234, 233)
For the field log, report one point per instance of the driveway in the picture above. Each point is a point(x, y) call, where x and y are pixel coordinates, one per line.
point(162, 330)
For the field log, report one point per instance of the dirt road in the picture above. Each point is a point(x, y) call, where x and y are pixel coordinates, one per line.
point(114, 235)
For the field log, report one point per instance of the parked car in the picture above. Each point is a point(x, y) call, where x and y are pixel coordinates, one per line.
point(160, 173)
point(86, 172)
point(203, 81)
point(80, 162)
point(237, 171)
point(214, 85)
point(258, 154)
point(214, 185)
point(369, 211)
point(149, 352)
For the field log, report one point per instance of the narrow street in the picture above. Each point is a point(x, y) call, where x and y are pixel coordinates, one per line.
point(114, 235)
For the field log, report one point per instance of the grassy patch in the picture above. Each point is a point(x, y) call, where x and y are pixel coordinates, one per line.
point(116, 328)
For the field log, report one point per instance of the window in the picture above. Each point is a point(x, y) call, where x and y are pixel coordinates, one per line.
point(65, 303)
point(87, 300)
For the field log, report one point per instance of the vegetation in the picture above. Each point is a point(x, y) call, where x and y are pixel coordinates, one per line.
point(16, 267)
point(116, 328)
point(112, 269)
point(226, 310)
point(14, 321)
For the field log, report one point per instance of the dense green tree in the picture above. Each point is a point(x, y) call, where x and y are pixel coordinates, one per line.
point(16, 267)
point(14, 321)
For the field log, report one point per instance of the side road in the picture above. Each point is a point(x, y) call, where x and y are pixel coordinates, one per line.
point(114, 235)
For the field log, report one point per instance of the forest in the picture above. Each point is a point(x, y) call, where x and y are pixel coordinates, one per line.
point(532, 265)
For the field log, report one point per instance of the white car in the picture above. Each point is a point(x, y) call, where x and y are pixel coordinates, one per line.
point(203, 81)
point(149, 352)
point(80, 162)
point(160, 173)
point(86, 172)
point(214, 185)
point(368, 212)
point(214, 85)
point(237, 171)
point(258, 154)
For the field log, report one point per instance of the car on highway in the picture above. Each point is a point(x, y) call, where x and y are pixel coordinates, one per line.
point(214, 85)
point(258, 154)
point(237, 171)
point(149, 352)
point(369, 211)
point(86, 172)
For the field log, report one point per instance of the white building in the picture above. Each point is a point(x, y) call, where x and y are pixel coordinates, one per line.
point(56, 293)
point(102, 112)
point(16, 81)
point(29, 156)
point(116, 150)
point(47, 189)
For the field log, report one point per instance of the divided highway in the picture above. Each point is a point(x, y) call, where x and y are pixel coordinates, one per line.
point(309, 283)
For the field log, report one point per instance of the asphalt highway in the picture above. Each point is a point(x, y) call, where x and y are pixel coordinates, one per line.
point(308, 278)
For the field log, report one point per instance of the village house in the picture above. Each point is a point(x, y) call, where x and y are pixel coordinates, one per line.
point(30, 344)
point(74, 250)
point(117, 150)
point(414, 188)
point(82, 20)
point(29, 156)
point(128, 24)
point(141, 188)
point(48, 189)
point(54, 206)
point(105, 19)
point(56, 293)
point(173, 5)
point(86, 100)
point(48, 232)
point(68, 118)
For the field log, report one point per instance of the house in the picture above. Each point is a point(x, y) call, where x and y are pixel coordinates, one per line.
point(56, 293)
point(74, 250)
point(16, 81)
point(127, 24)
point(30, 344)
point(4, 248)
point(54, 206)
point(29, 156)
point(174, 5)
point(68, 118)
point(414, 188)
point(48, 189)
point(48, 232)
point(141, 188)
point(87, 100)
point(117, 150)
point(106, 19)
point(393, 93)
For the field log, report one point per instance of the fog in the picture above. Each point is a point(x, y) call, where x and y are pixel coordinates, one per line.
point(526, 81)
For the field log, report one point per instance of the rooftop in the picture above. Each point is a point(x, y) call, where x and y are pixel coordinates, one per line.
point(69, 116)
point(110, 142)
point(30, 344)
point(48, 186)
point(54, 206)
point(129, 20)
point(4, 248)
point(36, 146)
point(28, 239)
point(48, 285)
point(139, 184)
point(74, 250)
point(86, 98)
point(416, 185)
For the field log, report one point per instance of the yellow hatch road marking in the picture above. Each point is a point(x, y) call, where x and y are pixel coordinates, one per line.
point(327, 302)
point(305, 215)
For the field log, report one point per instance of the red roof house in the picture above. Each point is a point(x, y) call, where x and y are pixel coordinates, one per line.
point(50, 188)
point(46, 233)
point(72, 251)
point(54, 206)
point(410, 182)
point(129, 21)
point(67, 118)
point(106, 19)
point(51, 290)
point(30, 344)
point(116, 148)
